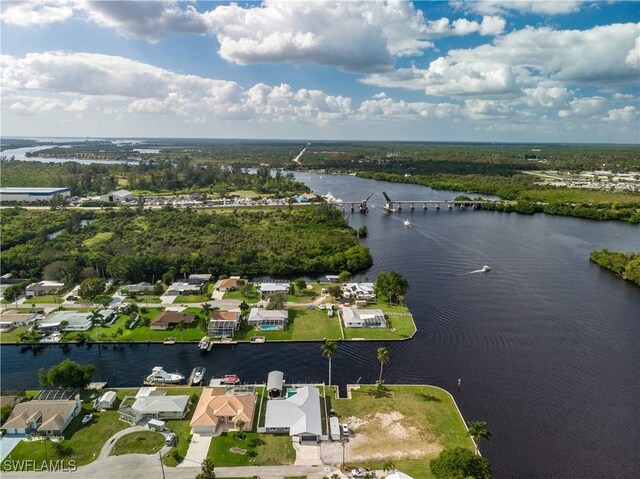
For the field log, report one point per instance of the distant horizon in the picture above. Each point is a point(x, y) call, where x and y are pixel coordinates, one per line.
point(302, 140)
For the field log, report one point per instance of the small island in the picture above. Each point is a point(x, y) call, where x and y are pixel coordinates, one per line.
point(624, 265)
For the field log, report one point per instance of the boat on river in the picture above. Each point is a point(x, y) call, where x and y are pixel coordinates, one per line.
point(407, 223)
point(230, 379)
point(160, 376)
point(197, 376)
point(485, 269)
point(204, 344)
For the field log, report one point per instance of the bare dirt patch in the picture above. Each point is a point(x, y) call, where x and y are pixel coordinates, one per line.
point(382, 436)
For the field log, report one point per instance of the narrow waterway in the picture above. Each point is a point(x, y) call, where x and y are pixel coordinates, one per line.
point(547, 345)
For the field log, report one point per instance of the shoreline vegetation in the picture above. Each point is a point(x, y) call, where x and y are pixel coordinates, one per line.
point(624, 265)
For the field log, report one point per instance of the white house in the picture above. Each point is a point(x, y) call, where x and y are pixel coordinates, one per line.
point(75, 321)
point(107, 400)
point(268, 319)
point(266, 289)
point(43, 287)
point(363, 318)
point(179, 287)
point(153, 406)
point(298, 415)
point(364, 291)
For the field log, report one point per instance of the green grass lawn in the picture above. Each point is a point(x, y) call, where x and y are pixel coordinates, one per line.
point(12, 335)
point(304, 324)
point(143, 442)
point(429, 410)
point(46, 299)
point(262, 450)
point(86, 441)
point(250, 296)
point(142, 299)
point(191, 298)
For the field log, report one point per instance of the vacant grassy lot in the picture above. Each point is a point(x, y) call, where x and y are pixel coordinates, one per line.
point(408, 424)
point(261, 450)
point(46, 299)
point(191, 298)
point(304, 324)
point(143, 442)
point(142, 299)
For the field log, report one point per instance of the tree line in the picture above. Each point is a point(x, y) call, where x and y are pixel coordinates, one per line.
point(624, 265)
point(132, 246)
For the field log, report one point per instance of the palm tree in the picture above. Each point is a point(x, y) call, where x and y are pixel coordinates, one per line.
point(63, 325)
point(181, 327)
point(329, 350)
point(388, 466)
point(206, 311)
point(383, 358)
point(96, 320)
point(478, 430)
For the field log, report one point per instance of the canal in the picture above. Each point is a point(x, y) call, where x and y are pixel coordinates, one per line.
point(546, 344)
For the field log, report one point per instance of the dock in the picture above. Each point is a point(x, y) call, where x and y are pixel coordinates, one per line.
point(97, 385)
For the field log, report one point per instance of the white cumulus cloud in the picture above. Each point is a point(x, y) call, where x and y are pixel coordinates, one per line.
point(35, 12)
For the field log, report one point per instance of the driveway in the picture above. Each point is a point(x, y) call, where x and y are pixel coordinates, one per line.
point(7, 443)
point(198, 450)
point(307, 454)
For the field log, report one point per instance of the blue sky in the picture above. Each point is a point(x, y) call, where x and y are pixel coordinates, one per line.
point(492, 70)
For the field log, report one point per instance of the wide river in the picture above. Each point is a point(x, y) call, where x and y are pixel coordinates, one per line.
point(547, 345)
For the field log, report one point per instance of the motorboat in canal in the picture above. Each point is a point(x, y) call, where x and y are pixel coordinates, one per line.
point(204, 344)
point(230, 379)
point(485, 269)
point(197, 376)
point(160, 376)
point(407, 223)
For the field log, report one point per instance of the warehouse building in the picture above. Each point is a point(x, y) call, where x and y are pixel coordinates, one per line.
point(31, 195)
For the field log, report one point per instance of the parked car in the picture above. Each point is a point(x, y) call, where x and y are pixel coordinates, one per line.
point(87, 419)
point(170, 440)
point(71, 298)
point(359, 472)
point(345, 429)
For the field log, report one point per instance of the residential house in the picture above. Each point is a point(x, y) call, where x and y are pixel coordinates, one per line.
point(230, 284)
point(364, 291)
point(268, 319)
point(363, 318)
point(75, 321)
point(219, 409)
point(43, 287)
point(178, 288)
point(10, 320)
point(171, 319)
point(223, 324)
point(298, 415)
point(49, 413)
point(152, 404)
point(138, 288)
point(199, 279)
point(267, 289)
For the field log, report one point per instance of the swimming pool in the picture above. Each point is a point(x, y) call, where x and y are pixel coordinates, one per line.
point(269, 327)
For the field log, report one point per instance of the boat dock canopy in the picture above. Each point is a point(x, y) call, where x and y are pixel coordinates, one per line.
point(275, 383)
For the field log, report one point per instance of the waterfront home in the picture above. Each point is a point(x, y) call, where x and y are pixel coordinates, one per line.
point(10, 320)
point(268, 319)
point(298, 415)
point(43, 287)
point(275, 384)
point(178, 288)
point(267, 289)
point(199, 279)
point(230, 284)
point(150, 403)
point(49, 413)
point(364, 291)
point(219, 409)
point(363, 318)
point(138, 288)
point(171, 319)
point(223, 324)
point(75, 321)
point(118, 196)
